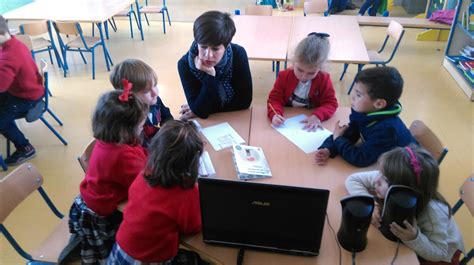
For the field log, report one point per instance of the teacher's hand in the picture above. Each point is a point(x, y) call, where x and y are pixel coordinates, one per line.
point(186, 113)
point(199, 65)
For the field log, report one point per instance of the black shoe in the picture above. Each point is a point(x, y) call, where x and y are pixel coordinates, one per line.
point(350, 6)
point(21, 155)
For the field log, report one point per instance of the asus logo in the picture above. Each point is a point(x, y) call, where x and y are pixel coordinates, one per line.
point(259, 203)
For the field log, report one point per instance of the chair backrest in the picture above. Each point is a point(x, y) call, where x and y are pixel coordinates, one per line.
point(36, 28)
point(426, 137)
point(395, 30)
point(85, 156)
point(67, 28)
point(315, 7)
point(466, 193)
point(25, 39)
point(259, 10)
point(17, 186)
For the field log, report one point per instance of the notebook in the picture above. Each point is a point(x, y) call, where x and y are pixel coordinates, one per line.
point(263, 216)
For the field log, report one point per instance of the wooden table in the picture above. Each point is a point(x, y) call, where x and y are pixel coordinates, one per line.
point(347, 44)
point(407, 22)
point(291, 166)
point(263, 37)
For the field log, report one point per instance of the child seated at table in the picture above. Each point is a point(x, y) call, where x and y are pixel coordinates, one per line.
point(305, 85)
point(145, 87)
point(434, 235)
point(372, 5)
point(163, 201)
point(374, 126)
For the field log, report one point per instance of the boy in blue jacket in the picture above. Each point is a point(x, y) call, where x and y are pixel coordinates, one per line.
point(374, 126)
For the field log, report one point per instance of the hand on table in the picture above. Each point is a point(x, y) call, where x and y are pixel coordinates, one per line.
point(186, 113)
point(278, 120)
point(376, 219)
point(339, 130)
point(312, 123)
point(321, 156)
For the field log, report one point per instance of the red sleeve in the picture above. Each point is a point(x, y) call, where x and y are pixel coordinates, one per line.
point(7, 74)
point(324, 97)
point(277, 96)
point(134, 162)
point(189, 219)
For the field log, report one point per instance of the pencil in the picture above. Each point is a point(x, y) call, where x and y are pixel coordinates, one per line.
point(273, 109)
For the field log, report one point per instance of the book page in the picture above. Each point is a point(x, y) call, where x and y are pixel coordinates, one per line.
point(221, 136)
point(309, 142)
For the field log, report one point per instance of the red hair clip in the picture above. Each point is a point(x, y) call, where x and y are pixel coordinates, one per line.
point(127, 89)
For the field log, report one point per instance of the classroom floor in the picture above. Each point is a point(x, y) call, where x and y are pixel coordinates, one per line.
point(430, 95)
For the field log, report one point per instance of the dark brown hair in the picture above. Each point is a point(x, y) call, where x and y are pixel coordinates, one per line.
point(137, 72)
point(115, 121)
point(214, 28)
point(174, 155)
point(382, 83)
point(396, 166)
point(3, 26)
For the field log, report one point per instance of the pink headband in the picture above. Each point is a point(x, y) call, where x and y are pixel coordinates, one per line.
point(415, 164)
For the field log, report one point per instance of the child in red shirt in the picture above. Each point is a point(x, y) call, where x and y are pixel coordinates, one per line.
point(21, 87)
point(163, 201)
point(115, 161)
point(305, 85)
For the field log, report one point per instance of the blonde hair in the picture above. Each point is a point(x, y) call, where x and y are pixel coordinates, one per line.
point(137, 72)
point(312, 50)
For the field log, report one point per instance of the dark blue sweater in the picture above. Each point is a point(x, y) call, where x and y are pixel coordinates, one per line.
point(203, 97)
point(379, 132)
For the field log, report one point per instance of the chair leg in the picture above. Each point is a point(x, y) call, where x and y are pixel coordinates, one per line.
point(54, 116)
point(168, 15)
point(83, 58)
point(164, 21)
point(93, 64)
point(50, 56)
point(113, 24)
point(344, 71)
point(9, 148)
point(93, 30)
point(2, 164)
point(53, 130)
point(65, 66)
point(273, 66)
point(359, 68)
point(146, 18)
point(130, 21)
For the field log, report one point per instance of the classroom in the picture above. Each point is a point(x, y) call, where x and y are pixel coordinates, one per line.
point(430, 94)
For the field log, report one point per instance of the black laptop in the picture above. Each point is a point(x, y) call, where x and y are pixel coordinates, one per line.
point(262, 216)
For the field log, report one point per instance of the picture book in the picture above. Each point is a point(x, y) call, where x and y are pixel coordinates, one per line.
point(250, 162)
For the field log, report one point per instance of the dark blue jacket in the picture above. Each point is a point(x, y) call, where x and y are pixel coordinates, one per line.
point(157, 116)
point(203, 98)
point(378, 132)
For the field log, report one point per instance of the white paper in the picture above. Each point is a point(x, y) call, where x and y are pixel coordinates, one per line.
point(206, 169)
point(309, 142)
point(221, 136)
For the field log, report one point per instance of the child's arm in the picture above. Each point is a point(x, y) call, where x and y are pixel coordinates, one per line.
point(362, 182)
point(277, 96)
point(431, 241)
point(376, 143)
point(8, 72)
point(326, 102)
point(241, 81)
point(165, 112)
point(189, 217)
point(202, 97)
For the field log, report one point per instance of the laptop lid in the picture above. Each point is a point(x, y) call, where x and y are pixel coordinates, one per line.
point(262, 216)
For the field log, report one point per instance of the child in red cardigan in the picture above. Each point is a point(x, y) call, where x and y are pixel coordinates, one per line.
point(305, 85)
point(116, 160)
point(163, 201)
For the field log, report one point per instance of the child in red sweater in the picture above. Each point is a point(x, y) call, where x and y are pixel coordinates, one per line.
point(305, 85)
point(115, 161)
point(21, 87)
point(163, 201)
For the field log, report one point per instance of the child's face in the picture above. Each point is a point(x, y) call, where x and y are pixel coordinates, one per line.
point(149, 97)
point(361, 101)
point(381, 186)
point(305, 72)
point(210, 55)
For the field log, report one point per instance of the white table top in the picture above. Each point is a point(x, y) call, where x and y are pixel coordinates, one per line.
point(69, 10)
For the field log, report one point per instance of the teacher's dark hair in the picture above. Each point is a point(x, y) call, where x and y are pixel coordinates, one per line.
point(214, 28)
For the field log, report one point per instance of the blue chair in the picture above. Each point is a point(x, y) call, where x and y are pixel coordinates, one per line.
point(79, 43)
point(395, 30)
point(2, 164)
point(41, 107)
point(129, 12)
point(40, 43)
point(466, 193)
point(14, 189)
point(149, 9)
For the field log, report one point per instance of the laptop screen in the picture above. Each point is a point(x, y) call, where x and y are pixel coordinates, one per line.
point(262, 216)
